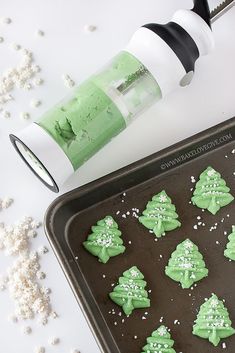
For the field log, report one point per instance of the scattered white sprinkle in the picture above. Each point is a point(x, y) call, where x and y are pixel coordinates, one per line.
point(224, 345)
point(117, 213)
point(35, 103)
point(68, 82)
point(90, 28)
point(36, 68)
point(195, 226)
point(135, 337)
point(13, 318)
point(15, 46)
point(26, 330)
point(25, 115)
point(43, 250)
point(104, 276)
point(54, 315)
point(35, 224)
point(6, 114)
point(40, 33)
point(54, 341)
point(6, 203)
point(32, 233)
point(41, 275)
point(27, 86)
point(193, 180)
point(5, 20)
point(43, 321)
point(39, 350)
point(38, 81)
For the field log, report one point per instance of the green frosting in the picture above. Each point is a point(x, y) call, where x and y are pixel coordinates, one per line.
point(230, 250)
point(159, 342)
point(211, 192)
point(160, 215)
point(130, 292)
point(213, 322)
point(105, 240)
point(186, 264)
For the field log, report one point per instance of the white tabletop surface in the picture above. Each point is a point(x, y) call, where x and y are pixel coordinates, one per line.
point(66, 48)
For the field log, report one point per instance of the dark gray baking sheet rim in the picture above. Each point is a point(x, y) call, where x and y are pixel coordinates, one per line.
point(106, 187)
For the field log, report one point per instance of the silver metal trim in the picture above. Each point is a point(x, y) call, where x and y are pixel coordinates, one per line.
point(220, 10)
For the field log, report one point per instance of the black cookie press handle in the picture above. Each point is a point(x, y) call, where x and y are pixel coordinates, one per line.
point(201, 7)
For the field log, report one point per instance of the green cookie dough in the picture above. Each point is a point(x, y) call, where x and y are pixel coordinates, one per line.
point(105, 240)
point(211, 192)
point(230, 250)
point(186, 264)
point(130, 292)
point(101, 107)
point(159, 342)
point(213, 322)
point(160, 215)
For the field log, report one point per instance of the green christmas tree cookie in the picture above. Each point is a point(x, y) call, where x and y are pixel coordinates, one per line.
point(186, 264)
point(130, 292)
point(230, 250)
point(105, 240)
point(211, 192)
point(159, 342)
point(213, 322)
point(160, 215)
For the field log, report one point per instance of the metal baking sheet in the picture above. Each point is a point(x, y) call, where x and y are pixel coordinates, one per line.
point(70, 217)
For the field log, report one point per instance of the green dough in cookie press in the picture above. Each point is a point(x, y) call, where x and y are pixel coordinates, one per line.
point(158, 59)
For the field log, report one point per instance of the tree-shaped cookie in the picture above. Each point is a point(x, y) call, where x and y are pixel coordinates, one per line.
point(211, 192)
point(186, 264)
point(159, 342)
point(160, 215)
point(213, 322)
point(130, 292)
point(105, 240)
point(230, 250)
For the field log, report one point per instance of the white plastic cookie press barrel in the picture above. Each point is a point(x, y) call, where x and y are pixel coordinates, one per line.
point(160, 60)
point(47, 151)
